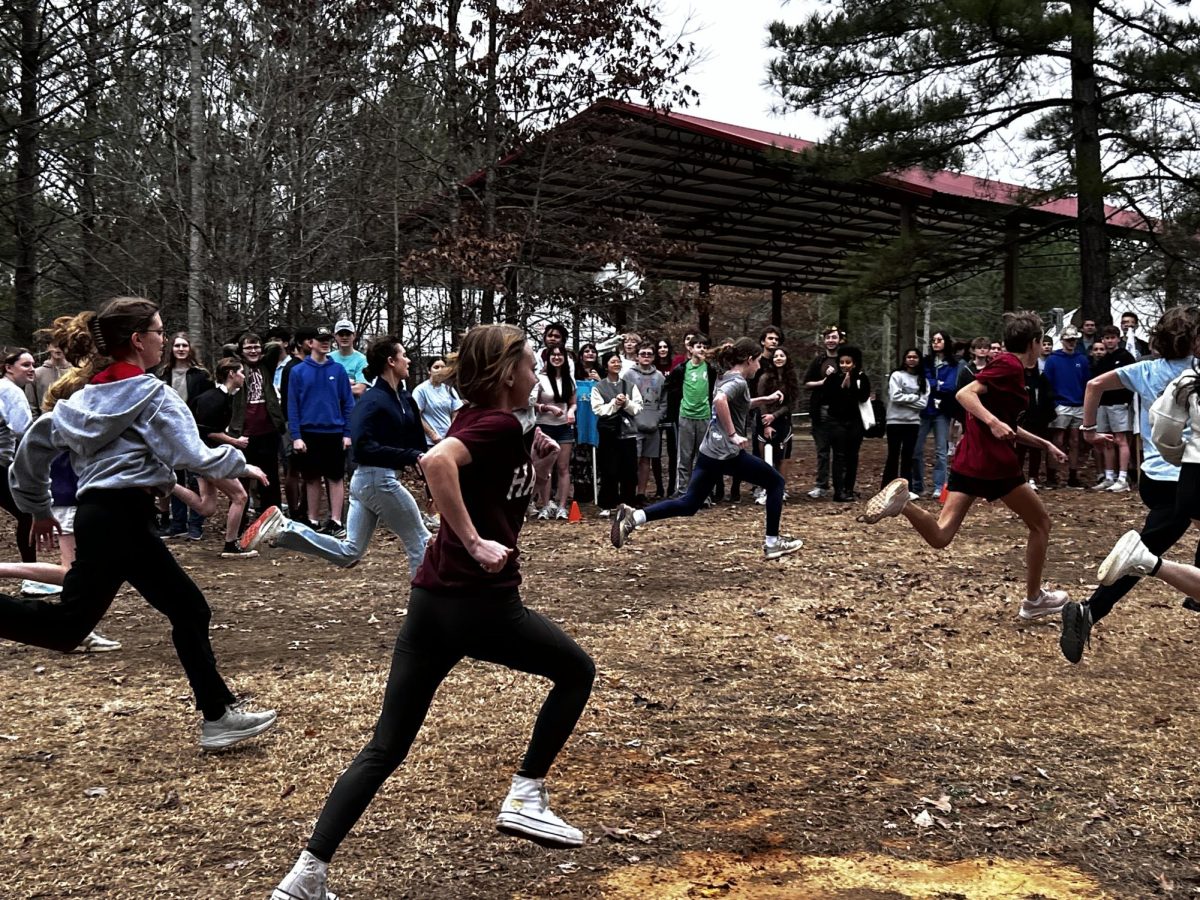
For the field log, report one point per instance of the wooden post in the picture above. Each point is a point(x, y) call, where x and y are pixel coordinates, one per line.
point(777, 303)
point(906, 305)
point(1012, 261)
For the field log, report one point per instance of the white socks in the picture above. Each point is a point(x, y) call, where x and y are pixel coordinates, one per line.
point(639, 517)
point(771, 540)
point(1110, 474)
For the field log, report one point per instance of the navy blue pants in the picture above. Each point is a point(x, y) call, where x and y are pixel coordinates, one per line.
point(709, 472)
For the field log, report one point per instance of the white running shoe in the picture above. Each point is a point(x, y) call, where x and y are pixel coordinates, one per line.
point(547, 511)
point(1118, 487)
point(1046, 603)
point(622, 526)
point(562, 513)
point(306, 881)
point(96, 643)
point(888, 502)
point(782, 547)
point(234, 727)
point(605, 513)
point(1033, 485)
point(1104, 484)
point(264, 529)
point(526, 813)
point(817, 493)
point(1128, 556)
point(32, 588)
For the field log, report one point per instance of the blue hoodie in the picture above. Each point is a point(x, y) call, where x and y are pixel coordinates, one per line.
point(1067, 374)
point(319, 398)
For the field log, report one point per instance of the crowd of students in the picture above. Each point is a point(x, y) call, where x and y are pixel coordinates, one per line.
point(491, 438)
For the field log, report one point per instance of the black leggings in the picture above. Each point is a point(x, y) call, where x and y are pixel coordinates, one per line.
point(441, 629)
point(709, 472)
point(115, 542)
point(24, 520)
point(1173, 506)
point(901, 442)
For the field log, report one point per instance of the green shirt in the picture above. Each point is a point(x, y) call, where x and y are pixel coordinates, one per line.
point(694, 404)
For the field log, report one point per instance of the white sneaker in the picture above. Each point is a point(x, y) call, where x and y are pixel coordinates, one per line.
point(817, 493)
point(39, 588)
point(264, 529)
point(1104, 484)
point(306, 881)
point(913, 497)
point(1046, 603)
point(1118, 487)
point(622, 526)
point(1128, 556)
point(888, 502)
point(605, 513)
point(562, 513)
point(1033, 485)
point(526, 813)
point(96, 643)
point(781, 548)
point(547, 511)
point(432, 523)
point(234, 727)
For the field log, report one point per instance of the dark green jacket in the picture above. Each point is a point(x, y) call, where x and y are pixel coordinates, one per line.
point(272, 353)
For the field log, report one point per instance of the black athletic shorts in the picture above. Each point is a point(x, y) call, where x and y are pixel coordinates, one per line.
point(324, 458)
point(989, 489)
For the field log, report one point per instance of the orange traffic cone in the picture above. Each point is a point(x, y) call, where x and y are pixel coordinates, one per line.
point(942, 495)
point(574, 515)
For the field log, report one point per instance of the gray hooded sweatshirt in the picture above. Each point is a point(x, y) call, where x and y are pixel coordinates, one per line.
point(132, 433)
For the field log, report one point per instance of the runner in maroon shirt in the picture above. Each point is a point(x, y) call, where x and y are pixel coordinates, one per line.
point(465, 602)
point(986, 464)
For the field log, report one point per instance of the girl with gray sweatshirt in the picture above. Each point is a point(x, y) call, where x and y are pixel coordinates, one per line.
point(126, 433)
point(908, 394)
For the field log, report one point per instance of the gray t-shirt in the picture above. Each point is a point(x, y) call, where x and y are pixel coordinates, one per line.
point(717, 443)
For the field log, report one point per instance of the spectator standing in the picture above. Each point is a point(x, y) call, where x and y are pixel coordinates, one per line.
point(15, 419)
point(616, 404)
point(693, 381)
point(1088, 336)
point(588, 363)
point(667, 426)
point(908, 395)
point(630, 341)
point(185, 375)
point(775, 418)
point(1134, 344)
point(1114, 415)
point(348, 358)
point(814, 379)
point(438, 402)
point(1067, 372)
point(1037, 418)
point(844, 390)
point(553, 335)
point(53, 367)
point(258, 415)
point(650, 383)
point(293, 482)
point(554, 408)
point(941, 372)
point(319, 406)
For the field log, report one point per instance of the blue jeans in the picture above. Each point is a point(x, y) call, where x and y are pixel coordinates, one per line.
point(709, 471)
point(184, 519)
point(940, 426)
point(375, 494)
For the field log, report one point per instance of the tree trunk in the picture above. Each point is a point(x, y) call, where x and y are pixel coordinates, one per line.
point(487, 308)
point(25, 209)
point(1095, 280)
point(197, 211)
point(457, 325)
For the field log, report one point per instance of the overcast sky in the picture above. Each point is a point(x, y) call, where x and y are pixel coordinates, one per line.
point(732, 34)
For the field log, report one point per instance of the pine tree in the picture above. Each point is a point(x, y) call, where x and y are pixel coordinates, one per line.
point(1099, 97)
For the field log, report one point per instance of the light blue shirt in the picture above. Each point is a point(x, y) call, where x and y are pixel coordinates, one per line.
point(1148, 378)
point(437, 405)
point(354, 364)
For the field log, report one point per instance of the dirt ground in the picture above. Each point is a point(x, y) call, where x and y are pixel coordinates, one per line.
point(866, 720)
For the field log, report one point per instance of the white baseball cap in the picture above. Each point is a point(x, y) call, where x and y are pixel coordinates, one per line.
point(343, 325)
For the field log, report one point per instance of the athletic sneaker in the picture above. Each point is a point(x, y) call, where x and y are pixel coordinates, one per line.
point(1128, 556)
point(1076, 630)
point(234, 727)
point(1046, 603)
point(264, 529)
point(335, 530)
point(547, 511)
point(605, 513)
point(233, 550)
point(1033, 485)
point(432, 523)
point(96, 643)
point(306, 881)
point(526, 813)
point(1104, 484)
point(1118, 487)
point(887, 503)
point(817, 493)
point(562, 513)
point(32, 588)
point(622, 525)
point(782, 547)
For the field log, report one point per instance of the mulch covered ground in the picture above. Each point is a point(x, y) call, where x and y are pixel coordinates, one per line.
point(866, 719)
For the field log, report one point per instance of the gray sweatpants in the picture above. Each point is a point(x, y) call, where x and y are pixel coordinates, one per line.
point(691, 434)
